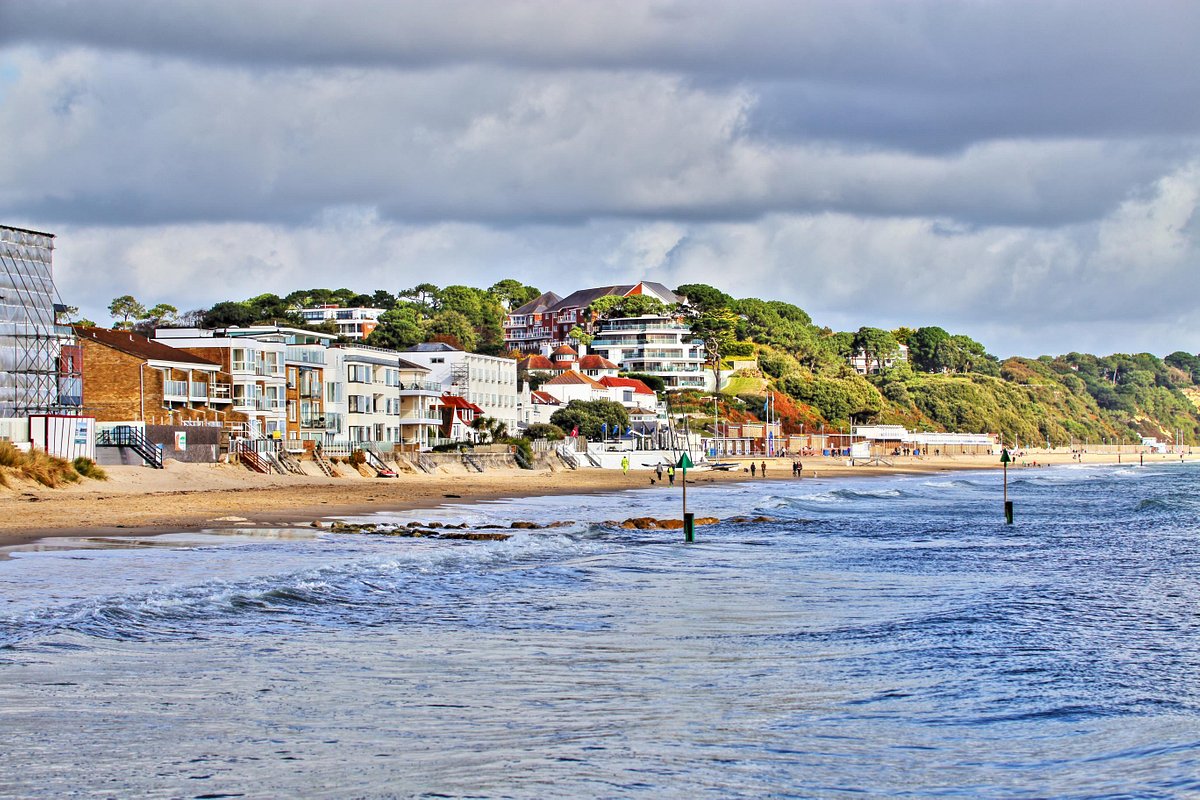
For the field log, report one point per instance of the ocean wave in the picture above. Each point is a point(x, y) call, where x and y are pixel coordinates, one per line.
point(357, 591)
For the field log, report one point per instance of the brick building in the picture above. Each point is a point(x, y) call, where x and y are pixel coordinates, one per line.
point(128, 377)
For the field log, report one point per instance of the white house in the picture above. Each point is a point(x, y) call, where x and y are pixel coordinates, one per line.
point(352, 323)
point(489, 382)
point(655, 345)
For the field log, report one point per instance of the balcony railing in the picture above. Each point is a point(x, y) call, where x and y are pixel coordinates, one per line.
point(175, 390)
point(432, 387)
point(219, 391)
point(312, 422)
point(199, 390)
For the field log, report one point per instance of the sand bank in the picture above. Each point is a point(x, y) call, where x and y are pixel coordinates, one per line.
point(140, 501)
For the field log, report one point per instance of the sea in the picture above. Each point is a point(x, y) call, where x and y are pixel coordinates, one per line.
point(849, 638)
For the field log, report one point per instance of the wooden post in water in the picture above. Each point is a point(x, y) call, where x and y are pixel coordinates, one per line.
point(1008, 506)
point(689, 520)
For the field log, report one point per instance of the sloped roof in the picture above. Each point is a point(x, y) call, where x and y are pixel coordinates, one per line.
point(538, 304)
point(584, 297)
point(543, 399)
point(454, 401)
point(139, 346)
point(572, 378)
point(536, 362)
point(596, 362)
point(430, 347)
point(565, 350)
point(664, 294)
point(638, 387)
point(405, 364)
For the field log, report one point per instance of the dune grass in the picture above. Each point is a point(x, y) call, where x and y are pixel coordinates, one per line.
point(41, 467)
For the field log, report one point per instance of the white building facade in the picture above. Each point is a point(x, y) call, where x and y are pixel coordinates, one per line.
point(655, 345)
point(489, 382)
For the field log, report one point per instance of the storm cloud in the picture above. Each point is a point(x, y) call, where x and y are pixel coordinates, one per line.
point(1026, 173)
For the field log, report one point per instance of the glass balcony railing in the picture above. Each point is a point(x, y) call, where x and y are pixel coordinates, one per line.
point(199, 390)
point(175, 390)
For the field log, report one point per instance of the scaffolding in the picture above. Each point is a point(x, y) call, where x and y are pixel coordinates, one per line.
point(40, 362)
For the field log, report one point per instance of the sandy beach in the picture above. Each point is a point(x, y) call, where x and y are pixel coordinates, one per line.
point(140, 501)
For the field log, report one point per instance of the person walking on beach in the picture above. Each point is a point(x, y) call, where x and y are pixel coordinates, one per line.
point(624, 465)
point(763, 469)
point(658, 471)
point(671, 475)
point(799, 469)
point(753, 470)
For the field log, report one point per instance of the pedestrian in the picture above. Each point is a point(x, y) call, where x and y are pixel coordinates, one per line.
point(671, 475)
point(625, 465)
point(795, 469)
point(658, 471)
point(763, 469)
point(753, 470)
point(799, 469)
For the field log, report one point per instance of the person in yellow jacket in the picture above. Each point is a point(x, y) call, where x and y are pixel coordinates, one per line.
point(625, 465)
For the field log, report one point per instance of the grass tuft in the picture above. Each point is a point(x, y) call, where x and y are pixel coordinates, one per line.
point(89, 469)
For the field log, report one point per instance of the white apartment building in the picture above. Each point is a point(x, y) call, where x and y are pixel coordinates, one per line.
point(655, 345)
point(352, 323)
point(489, 382)
point(420, 414)
point(369, 379)
point(255, 366)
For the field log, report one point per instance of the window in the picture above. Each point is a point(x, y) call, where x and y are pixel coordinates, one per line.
point(238, 359)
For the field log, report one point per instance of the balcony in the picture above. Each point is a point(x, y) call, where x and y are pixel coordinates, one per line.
point(421, 387)
point(199, 391)
point(312, 421)
point(175, 390)
point(219, 392)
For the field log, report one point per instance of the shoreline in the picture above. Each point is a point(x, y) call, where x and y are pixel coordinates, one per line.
point(138, 502)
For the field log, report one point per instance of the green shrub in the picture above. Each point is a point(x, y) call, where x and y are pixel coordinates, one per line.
point(89, 469)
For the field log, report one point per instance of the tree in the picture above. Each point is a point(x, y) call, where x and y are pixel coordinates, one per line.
point(452, 324)
point(542, 430)
point(717, 328)
point(398, 328)
point(703, 297)
point(126, 307)
point(512, 293)
point(228, 314)
point(580, 335)
point(927, 349)
point(591, 417)
point(634, 305)
point(877, 345)
point(425, 295)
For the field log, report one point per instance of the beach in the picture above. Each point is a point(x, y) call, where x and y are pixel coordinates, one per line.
point(141, 501)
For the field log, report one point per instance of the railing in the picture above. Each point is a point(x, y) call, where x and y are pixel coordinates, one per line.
point(133, 438)
point(421, 386)
point(219, 391)
point(175, 389)
point(312, 422)
point(199, 390)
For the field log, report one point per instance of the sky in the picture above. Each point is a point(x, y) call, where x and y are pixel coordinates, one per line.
point(1027, 173)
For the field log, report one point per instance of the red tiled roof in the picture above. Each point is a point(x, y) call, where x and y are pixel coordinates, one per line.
point(139, 346)
point(536, 362)
point(572, 378)
point(454, 401)
point(544, 399)
point(565, 350)
point(596, 362)
point(626, 383)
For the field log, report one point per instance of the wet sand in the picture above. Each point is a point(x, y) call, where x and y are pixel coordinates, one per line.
point(138, 501)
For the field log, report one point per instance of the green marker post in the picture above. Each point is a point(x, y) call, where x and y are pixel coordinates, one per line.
point(1008, 506)
point(689, 520)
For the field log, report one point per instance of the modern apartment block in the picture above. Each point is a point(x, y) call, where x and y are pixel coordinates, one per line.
point(255, 367)
point(40, 361)
point(354, 324)
point(547, 320)
point(489, 382)
point(655, 345)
